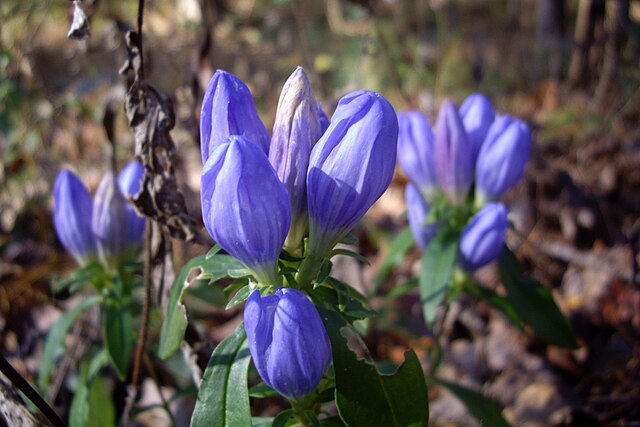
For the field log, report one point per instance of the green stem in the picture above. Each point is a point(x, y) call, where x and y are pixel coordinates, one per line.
point(302, 405)
point(309, 269)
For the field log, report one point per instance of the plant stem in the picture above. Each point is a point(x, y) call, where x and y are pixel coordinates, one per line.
point(308, 271)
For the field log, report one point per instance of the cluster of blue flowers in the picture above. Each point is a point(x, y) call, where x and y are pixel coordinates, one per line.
point(104, 228)
point(259, 195)
point(462, 169)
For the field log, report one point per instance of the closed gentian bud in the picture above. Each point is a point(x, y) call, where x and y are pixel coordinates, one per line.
point(72, 216)
point(228, 109)
point(502, 158)
point(418, 209)
point(129, 180)
point(295, 131)
point(287, 340)
point(324, 120)
point(452, 154)
point(477, 116)
point(245, 207)
point(109, 221)
point(482, 238)
point(350, 167)
point(415, 151)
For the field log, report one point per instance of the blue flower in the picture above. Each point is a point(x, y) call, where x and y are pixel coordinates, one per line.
point(477, 116)
point(72, 213)
point(453, 156)
point(324, 120)
point(502, 158)
point(228, 109)
point(482, 238)
point(287, 340)
point(295, 132)
point(109, 221)
point(245, 207)
point(415, 151)
point(418, 209)
point(129, 181)
point(350, 167)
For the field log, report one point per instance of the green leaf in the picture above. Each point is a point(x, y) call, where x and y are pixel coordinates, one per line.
point(400, 245)
point(349, 253)
point(364, 396)
point(436, 269)
point(54, 345)
point(79, 413)
point(80, 277)
point(534, 303)
point(102, 411)
point(118, 335)
point(281, 419)
point(262, 390)
point(349, 239)
point(240, 297)
point(223, 399)
point(175, 321)
point(261, 421)
point(484, 410)
point(325, 270)
point(213, 251)
point(343, 297)
point(174, 325)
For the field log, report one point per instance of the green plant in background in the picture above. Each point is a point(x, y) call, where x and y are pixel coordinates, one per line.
point(104, 236)
point(457, 176)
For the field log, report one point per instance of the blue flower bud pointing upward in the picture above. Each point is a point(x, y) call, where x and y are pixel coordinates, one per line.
point(245, 207)
point(109, 220)
point(477, 116)
point(350, 167)
point(296, 130)
point(72, 213)
point(415, 151)
point(502, 158)
point(228, 109)
point(287, 340)
point(453, 156)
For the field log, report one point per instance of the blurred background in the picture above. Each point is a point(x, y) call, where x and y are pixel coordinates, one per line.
point(570, 68)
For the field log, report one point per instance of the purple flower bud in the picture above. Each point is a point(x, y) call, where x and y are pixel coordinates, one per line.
point(324, 120)
point(415, 151)
point(350, 167)
point(502, 158)
point(109, 220)
point(129, 181)
point(287, 340)
point(245, 207)
point(418, 209)
point(482, 238)
point(72, 216)
point(295, 131)
point(228, 109)
point(453, 157)
point(477, 116)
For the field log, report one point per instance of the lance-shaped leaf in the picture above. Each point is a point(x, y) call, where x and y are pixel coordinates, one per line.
point(534, 303)
point(364, 396)
point(223, 399)
point(210, 268)
point(484, 410)
point(436, 269)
